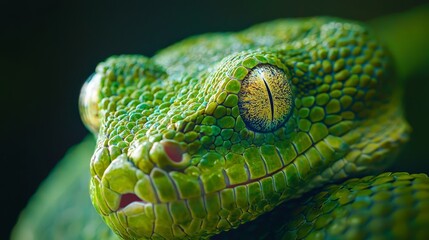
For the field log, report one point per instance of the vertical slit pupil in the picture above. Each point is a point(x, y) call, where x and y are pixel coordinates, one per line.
point(270, 97)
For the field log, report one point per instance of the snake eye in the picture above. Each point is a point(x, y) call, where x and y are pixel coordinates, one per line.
point(265, 98)
point(88, 103)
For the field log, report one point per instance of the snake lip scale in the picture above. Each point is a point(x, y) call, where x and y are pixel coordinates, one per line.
point(129, 198)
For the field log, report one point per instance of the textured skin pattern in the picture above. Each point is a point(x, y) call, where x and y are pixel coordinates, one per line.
point(387, 206)
point(175, 158)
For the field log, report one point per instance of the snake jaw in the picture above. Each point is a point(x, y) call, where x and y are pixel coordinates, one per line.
point(161, 188)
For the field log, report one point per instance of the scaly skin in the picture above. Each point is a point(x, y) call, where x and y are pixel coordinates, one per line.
point(387, 206)
point(216, 130)
point(220, 129)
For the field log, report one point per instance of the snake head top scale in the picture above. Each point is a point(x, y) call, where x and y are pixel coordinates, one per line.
point(218, 129)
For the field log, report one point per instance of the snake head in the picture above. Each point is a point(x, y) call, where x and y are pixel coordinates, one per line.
point(218, 129)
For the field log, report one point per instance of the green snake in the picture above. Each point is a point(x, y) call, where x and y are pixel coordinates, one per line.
point(259, 133)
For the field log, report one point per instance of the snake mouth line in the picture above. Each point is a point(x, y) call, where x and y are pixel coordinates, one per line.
point(130, 198)
point(249, 181)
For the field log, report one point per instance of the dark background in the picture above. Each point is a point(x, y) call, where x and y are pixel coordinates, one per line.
point(48, 49)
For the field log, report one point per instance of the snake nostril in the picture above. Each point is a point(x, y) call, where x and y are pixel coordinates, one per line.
point(173, 151)
point(128, 198)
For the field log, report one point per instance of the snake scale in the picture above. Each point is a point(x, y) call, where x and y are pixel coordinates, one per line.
point(282, 131)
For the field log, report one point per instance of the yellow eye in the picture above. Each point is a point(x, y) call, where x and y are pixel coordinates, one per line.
point(88, 103)
point(265, 98)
